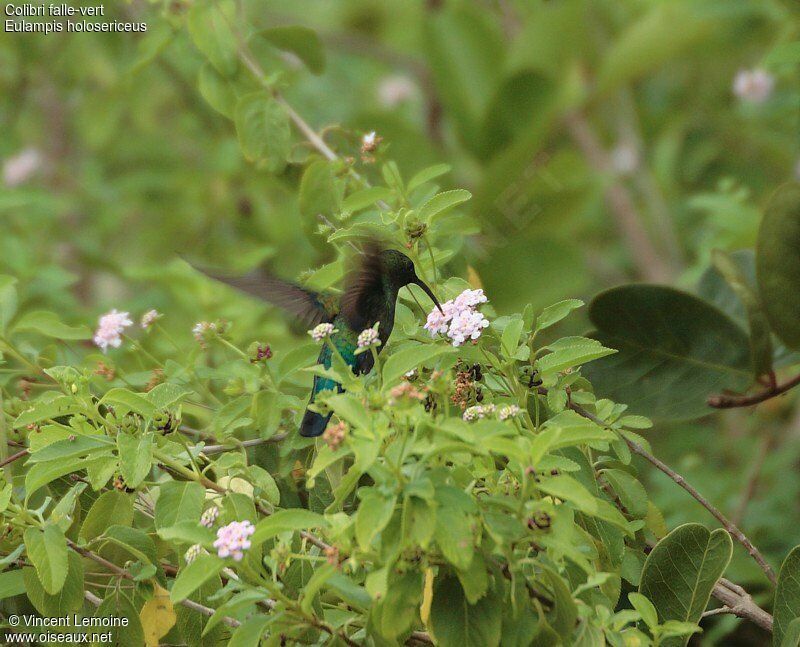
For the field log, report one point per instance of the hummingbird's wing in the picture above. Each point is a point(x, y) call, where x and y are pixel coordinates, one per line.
point(310, 307)
point(362, 285)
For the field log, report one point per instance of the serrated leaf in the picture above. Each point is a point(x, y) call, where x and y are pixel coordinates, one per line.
point(283, 520)
point(210, 26)
point(135, 457)
point(192, 576)
point(569, 352)
point(551, 315)
point(441, 203)
point(399, 363)
point(426, 175)
point(47, 551)
point(263, 129)
point(111, 507)
point(178, 501)
point(374, 513)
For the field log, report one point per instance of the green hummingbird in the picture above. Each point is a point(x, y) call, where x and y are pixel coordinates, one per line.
point(369, 298)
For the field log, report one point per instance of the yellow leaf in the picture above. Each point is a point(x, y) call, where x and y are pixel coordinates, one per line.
point(157, 616)
point(427, 597)
point(654, 521)
point(473, 278)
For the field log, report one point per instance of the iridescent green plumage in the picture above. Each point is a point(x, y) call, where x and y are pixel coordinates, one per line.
point(369, 297)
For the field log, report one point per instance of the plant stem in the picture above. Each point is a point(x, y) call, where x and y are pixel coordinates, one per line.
point(733, 401)
point(732, 529)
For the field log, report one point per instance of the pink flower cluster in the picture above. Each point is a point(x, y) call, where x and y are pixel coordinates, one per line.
point(753, 86)
point(368, 337)
point(110, 329)
point(232, 539)
point(460, 319)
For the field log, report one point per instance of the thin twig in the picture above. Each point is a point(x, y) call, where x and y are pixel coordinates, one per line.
point(218, 449)
point(14, 457)
point(723, 401)
point(741, 604)
point(732, 529)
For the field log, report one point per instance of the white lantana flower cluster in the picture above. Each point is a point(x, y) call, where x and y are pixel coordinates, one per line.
point(322, 331)
point(459, 319)
point(110, 328)
point(480, 411)
point(368, 337)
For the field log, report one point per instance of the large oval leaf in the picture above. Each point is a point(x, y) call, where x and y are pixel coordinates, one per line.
point(674, 351)
point(787, 596)
point(681, 571)
point(457, 623)
point(778, 263)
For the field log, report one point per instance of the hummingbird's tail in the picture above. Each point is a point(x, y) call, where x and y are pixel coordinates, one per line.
point(313, 424)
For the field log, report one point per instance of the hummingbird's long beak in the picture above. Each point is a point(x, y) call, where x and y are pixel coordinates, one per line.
point(429, 292)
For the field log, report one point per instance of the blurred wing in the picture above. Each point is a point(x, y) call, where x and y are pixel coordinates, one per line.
point(362, 285)
point(310, 307)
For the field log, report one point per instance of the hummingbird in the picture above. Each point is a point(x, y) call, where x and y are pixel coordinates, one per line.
point(369, 298)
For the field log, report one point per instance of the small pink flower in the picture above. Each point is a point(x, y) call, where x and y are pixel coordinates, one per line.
point(753, 86)
point(394, 90)
point(149, 318)
point(232, 539)
point(460, 319)
point(368, 337)
point(322, 331)
point(110, 328)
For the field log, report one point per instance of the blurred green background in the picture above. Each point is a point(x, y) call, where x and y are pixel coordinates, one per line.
point(604, 141)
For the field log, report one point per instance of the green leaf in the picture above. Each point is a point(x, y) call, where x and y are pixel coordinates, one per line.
point(453, 535)
point(551, 315)
point(283, 520)
point(645, 609)
point(49, 325)
point(216, 90)
point(166, 394)
point(457, 623)
point(791, 638)
point(760, 334)
point(374, 514)
point(674, 351)
point(510, 338)
point(249, 633)
point(263, 128)
point(301, 41)
point(570, 352)
point(47, 551)
point(365, 198)
point(135, 457)
point(68, 599)
point(210, 26)
point(129, 401)
point(112, 507)
point(117, 606)
point(630, 491)
point(64, 450)
point(189, 532)
point(787, 597)
point(12, 583)
point(43, 473)
point(194, 575)
point(441, 203)
point(401, 362)
point(178, 501)
point(778, 263)
point(569, 489)
point(681, 571)
point(426, 175)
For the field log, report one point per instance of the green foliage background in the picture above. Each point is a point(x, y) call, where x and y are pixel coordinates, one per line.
point(145, 155)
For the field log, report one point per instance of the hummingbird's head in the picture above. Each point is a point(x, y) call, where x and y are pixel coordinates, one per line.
point(400, 270)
